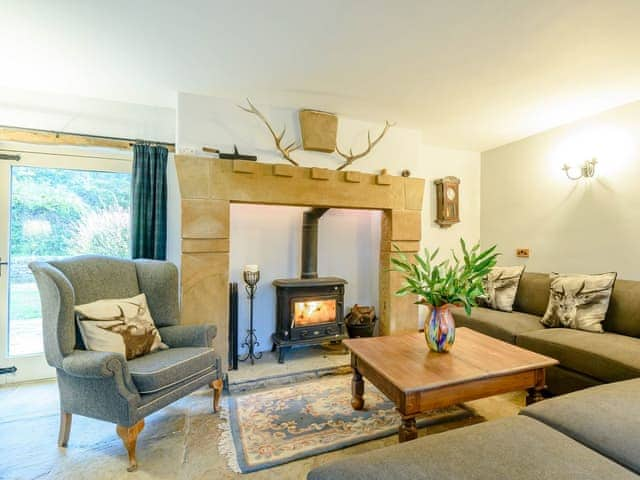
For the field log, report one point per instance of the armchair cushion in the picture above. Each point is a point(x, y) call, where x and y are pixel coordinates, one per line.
point(188, 335)
point(165, 368)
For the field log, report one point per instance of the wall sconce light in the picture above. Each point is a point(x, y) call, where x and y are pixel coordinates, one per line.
point(586, 170)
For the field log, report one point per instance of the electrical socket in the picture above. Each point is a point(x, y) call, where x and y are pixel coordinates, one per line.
point(522, 252)
point(188, 150)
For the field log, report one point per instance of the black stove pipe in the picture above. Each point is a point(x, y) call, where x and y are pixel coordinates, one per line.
point(310, 242)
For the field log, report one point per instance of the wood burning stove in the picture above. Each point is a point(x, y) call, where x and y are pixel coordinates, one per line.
point(309, 310)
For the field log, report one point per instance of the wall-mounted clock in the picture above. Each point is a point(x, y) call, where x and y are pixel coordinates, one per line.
point(448, 201)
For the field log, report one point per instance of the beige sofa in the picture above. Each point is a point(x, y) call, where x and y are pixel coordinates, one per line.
point(586, 358)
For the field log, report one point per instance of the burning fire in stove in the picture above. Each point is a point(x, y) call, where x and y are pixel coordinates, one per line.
point(312, 312)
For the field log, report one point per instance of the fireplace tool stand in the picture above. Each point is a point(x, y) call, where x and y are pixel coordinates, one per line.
point(251, 340)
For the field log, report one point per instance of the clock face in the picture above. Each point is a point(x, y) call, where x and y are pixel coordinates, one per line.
point(451, 193)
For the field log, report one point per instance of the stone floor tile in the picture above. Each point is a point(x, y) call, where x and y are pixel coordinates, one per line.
point(178, 442)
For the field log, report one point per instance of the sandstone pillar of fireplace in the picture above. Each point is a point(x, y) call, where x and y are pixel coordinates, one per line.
point(208, 187)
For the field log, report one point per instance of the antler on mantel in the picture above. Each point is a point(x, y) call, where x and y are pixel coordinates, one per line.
point(351, 157)
point(286, 150)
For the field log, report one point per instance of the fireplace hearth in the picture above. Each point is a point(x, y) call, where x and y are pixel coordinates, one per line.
point(310, 309)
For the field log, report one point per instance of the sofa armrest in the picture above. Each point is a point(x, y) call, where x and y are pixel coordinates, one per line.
point(188, 335)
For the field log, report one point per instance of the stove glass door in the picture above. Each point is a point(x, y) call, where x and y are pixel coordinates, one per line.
point(314, 311)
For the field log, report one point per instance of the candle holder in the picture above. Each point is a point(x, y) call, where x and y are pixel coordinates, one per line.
point(251, 279)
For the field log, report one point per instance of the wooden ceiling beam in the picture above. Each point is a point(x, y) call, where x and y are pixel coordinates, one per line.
point(47, 137)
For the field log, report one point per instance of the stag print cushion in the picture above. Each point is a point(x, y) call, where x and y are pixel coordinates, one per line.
point(579, 301)
point(500, 288)
point(119, 325)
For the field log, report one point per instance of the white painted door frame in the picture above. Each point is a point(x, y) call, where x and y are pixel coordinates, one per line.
point(34, 367)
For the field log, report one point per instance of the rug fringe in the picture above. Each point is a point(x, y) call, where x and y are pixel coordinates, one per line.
point(226, 446)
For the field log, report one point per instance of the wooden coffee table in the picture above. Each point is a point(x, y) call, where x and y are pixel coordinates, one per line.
point(418, 380)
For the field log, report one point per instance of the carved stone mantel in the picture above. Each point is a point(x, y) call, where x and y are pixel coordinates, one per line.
point(208, 187)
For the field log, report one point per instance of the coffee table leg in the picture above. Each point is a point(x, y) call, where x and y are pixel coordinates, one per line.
point(534, 395)
point(357, 390)
point(408, 429)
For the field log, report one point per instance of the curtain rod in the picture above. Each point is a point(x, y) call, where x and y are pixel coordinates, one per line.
point(42, 134)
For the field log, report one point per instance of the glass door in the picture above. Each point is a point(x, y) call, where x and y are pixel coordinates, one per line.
point(52, 205)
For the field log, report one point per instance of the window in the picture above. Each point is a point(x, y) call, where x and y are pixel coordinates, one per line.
point(57, 213)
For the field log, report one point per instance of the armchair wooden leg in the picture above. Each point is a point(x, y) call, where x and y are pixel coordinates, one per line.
point(129, 436)
point(65, 429)
point(217, 393)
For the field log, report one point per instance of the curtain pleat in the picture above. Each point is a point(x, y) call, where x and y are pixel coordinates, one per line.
point(149, 202)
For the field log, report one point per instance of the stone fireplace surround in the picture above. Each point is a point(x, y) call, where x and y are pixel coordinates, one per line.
point(207, 188)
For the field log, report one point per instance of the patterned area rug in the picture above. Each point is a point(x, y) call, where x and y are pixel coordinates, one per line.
point(272, 427)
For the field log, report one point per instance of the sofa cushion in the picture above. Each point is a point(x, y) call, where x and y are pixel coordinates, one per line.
point(624, 309)
point(579, 301)
point(607, 357)
point(119, 325)
point(533, 294)
point(500, 286)
point(604, 418)
point(165, 368)
point(515, 448)
point(502, 325)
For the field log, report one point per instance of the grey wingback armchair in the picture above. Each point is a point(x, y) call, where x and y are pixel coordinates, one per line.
point(105, 385)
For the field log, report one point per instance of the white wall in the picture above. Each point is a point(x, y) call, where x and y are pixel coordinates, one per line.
point(66, 113)
point(586, 226)
point(270, 236)
point(436, 163)
point(348, 240)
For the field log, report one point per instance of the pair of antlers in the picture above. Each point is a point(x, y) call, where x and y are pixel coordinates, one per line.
point(286, 151)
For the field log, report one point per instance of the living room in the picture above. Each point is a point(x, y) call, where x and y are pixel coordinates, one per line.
point(298, 240)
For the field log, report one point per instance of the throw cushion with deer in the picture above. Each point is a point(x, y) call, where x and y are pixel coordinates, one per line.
point(500, 287)
point(579, 301)
point(119, 325)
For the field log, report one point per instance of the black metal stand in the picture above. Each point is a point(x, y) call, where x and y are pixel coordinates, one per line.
point(251, 340)
point(233, 326)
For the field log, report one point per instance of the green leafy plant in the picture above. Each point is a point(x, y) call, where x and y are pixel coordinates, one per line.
point(456, 281)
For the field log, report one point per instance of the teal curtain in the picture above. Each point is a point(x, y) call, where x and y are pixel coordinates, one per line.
point(149, 202)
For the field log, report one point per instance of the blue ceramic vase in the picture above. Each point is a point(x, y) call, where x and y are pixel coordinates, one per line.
point(440, 332)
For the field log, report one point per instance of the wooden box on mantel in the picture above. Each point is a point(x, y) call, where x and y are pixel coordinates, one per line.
point(319, 130)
